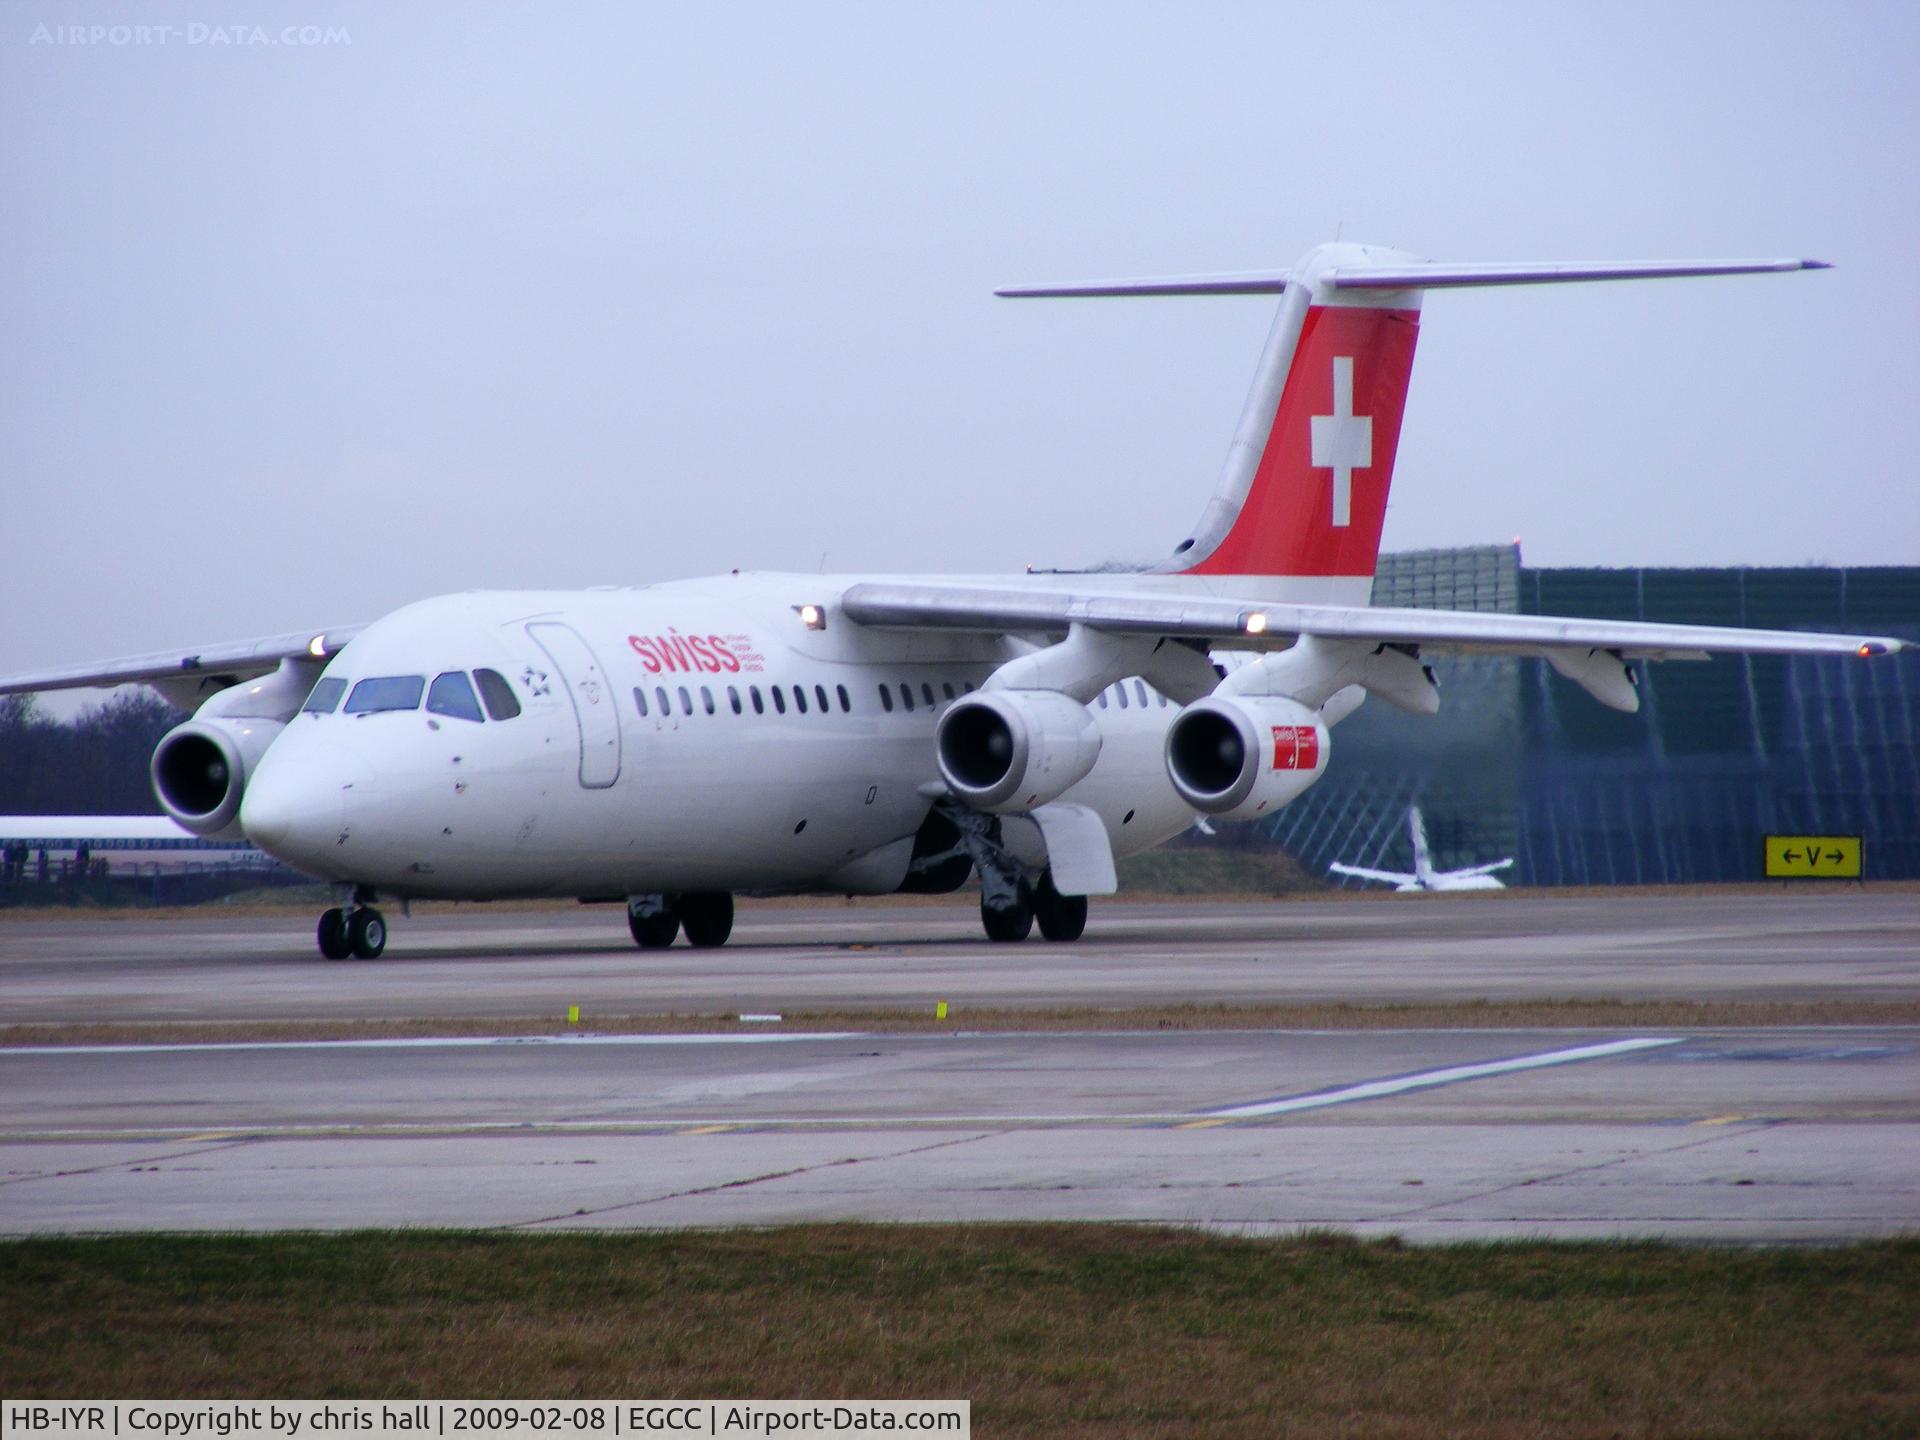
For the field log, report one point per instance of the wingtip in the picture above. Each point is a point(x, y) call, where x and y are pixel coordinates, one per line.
point(1816, 264)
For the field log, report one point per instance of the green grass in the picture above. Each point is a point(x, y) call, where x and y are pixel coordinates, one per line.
point(1048, 1330)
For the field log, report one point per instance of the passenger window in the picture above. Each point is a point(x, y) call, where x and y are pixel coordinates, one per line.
point(906, 694)
point(753, 694)
point(706, 698)
point(1120, 694)
point(1140, 692)
point(886, 699)
point(686, 700)
point(779, 700)
point(666, 705)
point(946, 688)
point(501, 702)
point(324, 698)
point(733, 698)
point(1103, 699)
point(389, 692)
point(846, 702)
point(800, 698)
point(926, 693)
point(452, 694)
point(640, 701)
point(820, 694)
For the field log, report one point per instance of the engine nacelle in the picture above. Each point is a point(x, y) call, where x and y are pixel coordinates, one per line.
point(1006, 751)
point(200, 770)
point(1240, 757)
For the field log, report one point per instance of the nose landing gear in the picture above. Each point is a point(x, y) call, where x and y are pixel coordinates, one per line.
point(359, 931)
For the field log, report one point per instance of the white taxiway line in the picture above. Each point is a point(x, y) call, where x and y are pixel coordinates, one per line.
point(1427, 1079)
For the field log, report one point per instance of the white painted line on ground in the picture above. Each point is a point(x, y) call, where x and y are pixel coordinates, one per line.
point(436, 1042)
point(1426, 1080)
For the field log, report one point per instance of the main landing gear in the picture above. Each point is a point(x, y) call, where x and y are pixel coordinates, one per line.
point(359, 931)
point(1060, 917)
point(706, 916)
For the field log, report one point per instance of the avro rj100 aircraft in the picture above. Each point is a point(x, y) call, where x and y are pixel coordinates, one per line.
point(671, 745)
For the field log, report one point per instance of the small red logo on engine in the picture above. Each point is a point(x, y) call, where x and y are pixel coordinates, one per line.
point(1296, 747)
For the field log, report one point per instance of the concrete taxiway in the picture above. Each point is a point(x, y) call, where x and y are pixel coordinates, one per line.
point(1743, 1135)
point(1809, 1134)
point(491, 961)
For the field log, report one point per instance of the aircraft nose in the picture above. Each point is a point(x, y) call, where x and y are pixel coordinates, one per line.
point(294, 805)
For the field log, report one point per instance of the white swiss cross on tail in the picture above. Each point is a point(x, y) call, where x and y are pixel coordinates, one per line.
point(1342, 441)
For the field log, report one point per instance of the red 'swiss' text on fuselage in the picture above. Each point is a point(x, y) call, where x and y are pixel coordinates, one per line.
point(713, 654)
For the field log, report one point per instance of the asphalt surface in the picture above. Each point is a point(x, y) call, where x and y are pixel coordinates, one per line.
point(1727, 1135)
point(493, 962)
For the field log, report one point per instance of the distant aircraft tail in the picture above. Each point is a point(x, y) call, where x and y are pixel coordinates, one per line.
point(1304, 490)
point(1422, 857)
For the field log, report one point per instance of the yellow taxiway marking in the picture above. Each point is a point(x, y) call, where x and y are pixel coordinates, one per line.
point(709, 1130)
point(1723, 1120)
point(1200, 1125)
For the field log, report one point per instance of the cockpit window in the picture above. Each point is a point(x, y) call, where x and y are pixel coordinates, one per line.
point(451, 694)
point(387, 692)
point(502, 703)
point(324, 698)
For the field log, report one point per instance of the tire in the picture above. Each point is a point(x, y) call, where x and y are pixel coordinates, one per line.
point(367, 933)
point(333, 934)
point(707, 917)
point(1062, 917)
point(654, 932)
point(1009, 923)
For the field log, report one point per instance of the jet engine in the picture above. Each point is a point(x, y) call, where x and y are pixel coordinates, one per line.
point(200, 769)
point(1007, 751)
point(1240, 757)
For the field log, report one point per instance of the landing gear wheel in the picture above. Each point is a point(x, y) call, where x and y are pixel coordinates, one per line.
point(1061, 917)
point(333, 934)
point(707, 916)
point(367, 933)
point(655, 931)
point(1007, 922)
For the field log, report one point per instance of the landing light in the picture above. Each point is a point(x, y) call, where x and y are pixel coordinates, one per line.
point(1254, 623)
point(317, 646)
point(812, 616)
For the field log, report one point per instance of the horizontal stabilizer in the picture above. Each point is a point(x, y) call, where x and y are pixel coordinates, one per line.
point(1412, 275)
point(1424, 275)
point(1264, 282)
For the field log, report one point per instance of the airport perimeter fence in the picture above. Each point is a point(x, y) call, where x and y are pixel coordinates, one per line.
point(1521, 762)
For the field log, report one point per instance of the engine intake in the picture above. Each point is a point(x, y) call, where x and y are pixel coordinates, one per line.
point(200, 770)
point(1007, 751)
point(1243, 756)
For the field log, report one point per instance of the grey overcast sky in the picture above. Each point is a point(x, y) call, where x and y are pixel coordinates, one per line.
point(429, 297)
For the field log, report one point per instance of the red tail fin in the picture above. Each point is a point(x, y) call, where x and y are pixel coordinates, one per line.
point(1318, 495)
point(1304, 492)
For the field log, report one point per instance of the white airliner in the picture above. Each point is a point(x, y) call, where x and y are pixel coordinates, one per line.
point(671, 745)
point(1424, 876)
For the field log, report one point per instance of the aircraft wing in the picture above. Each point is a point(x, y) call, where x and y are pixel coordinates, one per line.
point(1360, 872)
point(1260, 624)
point(1471, 872)
point(225, 664)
